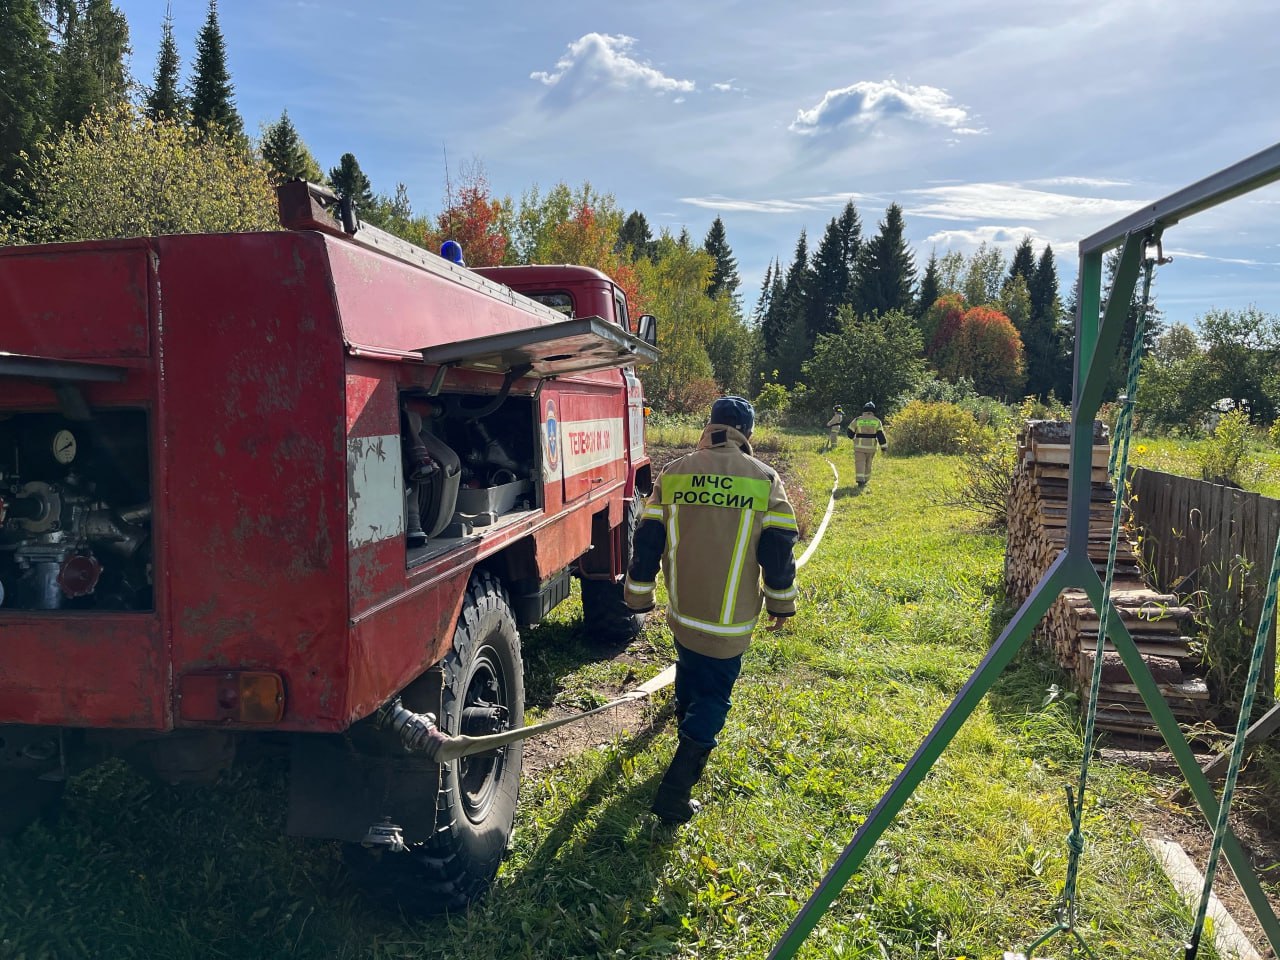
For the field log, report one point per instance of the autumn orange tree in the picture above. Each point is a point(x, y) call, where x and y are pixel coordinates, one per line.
point(941, 321)
point(985, 348)
point(477, 220)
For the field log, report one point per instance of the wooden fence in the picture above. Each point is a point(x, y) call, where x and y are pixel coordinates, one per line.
point(1195, 536)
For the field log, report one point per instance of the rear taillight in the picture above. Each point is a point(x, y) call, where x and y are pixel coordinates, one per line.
point(231, 696)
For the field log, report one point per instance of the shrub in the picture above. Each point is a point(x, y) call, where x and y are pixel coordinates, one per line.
point(1223, 453)
point(922, 427)
point(1274, 434)
point(772, 402)
point(987, 473)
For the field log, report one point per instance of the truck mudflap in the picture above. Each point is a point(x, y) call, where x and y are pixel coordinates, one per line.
point(577, 345)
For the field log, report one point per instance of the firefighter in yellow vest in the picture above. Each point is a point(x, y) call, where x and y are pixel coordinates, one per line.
point(833, 426)
point(718, 523)
point(867, 433)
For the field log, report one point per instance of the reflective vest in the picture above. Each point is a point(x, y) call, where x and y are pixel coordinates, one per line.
point(867, 433)
point(718, 522)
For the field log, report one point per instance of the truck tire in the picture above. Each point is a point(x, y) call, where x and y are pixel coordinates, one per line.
point(606, 618)
point(476, 803)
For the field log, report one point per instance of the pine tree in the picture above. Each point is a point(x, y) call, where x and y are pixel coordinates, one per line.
point(212, 106)
point(930, 287)
point(762, 302)
point(636, 234)
point(773, 316)
point(26, 91)
point(90, 62)
point(792, 342)
point(349, 181)
point(163, 99)
point(1024, 263)
point(834, 271)
point(286, 154)
point(725, 277)
point(886, 273)
point(1043, 288)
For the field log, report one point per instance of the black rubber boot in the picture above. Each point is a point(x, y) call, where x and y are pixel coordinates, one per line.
point(672, 804)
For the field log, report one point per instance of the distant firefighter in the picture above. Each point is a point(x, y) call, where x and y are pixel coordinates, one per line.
point(867, 433)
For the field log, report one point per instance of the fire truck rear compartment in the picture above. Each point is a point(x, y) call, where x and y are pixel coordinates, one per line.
point(75, 511)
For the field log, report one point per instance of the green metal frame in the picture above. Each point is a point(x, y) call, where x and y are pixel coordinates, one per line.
point(1098, 337)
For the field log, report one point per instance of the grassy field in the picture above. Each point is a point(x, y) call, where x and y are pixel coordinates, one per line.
point(1260, 472)
point(897, 607)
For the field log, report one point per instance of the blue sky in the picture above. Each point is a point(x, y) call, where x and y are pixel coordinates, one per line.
point(983, 120)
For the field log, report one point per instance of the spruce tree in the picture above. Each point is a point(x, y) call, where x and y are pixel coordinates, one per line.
point(90, 62)
point(930, 287)
point(636, 234)
point(26, 91)
point(724, 279)
point(793, 342)
point(286, 154)
point(164, 98)
point(886, 273)
point(834, 268)
point(1024, 263)
point(212, 106)
point(773, 317)
point(762, 302)
point(349, 181)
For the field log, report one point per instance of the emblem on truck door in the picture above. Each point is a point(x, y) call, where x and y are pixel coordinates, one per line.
point(551, 437)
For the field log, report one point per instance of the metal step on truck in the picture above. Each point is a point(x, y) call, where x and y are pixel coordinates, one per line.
point(304, 488)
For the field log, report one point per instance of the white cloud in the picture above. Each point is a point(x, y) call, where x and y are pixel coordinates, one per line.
point(799, 204)
point(869, 103)
point(1010, 201)
point(598, 60)
point(992, 235)
point(1191, 255)
point(1079, 182)
point(727, 87)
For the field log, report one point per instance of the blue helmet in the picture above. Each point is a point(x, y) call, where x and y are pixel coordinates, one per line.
point(452, 250)
point(734, 412)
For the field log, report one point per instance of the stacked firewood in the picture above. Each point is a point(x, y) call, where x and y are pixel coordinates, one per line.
point(1158, 622)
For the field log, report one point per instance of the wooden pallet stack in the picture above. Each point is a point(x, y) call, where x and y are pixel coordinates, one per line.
point(1158, 622)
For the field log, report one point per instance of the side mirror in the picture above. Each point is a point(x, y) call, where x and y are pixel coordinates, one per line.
point(647, 329)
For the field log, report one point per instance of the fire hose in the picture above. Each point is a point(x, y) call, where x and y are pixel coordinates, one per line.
point(419, 732)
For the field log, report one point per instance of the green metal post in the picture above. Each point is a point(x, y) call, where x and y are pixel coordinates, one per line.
point(1014, 635)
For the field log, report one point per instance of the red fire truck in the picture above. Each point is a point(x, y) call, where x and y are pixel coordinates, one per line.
point(272, 486)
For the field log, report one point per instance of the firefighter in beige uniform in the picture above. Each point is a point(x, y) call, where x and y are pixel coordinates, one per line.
point(833, 426)
point(867, 433)
point(717, 521)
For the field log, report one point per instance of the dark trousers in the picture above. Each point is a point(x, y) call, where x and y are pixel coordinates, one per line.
point(703, 685)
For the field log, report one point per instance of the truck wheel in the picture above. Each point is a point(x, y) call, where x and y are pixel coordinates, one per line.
point(483, 692)
point(606, 618)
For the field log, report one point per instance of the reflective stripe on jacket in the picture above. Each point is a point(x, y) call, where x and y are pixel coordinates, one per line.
point(717, 521)
point(867, 432)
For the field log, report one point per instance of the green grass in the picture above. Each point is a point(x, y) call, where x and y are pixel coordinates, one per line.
point(897, 608)
point(1259, 473)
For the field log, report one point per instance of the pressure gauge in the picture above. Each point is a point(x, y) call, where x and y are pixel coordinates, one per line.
point(64, 446)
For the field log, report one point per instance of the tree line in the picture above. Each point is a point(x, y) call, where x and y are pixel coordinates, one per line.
point(88, 152)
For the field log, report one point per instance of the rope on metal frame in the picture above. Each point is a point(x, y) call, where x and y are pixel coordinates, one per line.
point(1118, 469)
